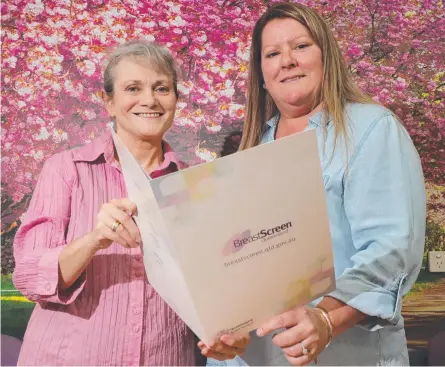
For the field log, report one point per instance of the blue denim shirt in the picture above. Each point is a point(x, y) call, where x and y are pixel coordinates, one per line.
point(377, 211)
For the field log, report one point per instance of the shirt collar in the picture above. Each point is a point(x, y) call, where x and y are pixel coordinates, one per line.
point(314, 121)
point(92, 151)
point(105, 146)
point(170, 157)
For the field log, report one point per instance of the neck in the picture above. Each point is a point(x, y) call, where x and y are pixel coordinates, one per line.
point(298, 116)
point(148, 153)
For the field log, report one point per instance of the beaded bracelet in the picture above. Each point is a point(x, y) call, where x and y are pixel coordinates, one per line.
point(328, 322)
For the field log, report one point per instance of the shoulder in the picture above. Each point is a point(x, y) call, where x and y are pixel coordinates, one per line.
point(63, 167)
point(362, 116)
point(366, 119)
point(60, 160)
point(377, 128)
point(60, 165)
point(63, 164)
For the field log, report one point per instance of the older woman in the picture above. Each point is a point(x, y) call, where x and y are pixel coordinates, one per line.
point(374, 190)
point(78, 250)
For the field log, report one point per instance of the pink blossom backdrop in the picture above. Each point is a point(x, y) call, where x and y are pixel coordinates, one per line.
point(51, 76)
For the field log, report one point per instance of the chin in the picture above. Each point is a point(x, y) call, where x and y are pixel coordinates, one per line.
point(299, 99)
point(152, 135)
point(295, 101)
point(147, 134)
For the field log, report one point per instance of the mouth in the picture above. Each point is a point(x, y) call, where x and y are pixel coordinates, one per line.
point(148, 115)
point(292, 78)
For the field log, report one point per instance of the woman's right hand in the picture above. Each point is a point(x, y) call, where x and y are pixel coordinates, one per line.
point(110, 215)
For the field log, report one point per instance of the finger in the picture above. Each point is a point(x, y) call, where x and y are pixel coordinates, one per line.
point(108, 222)
point(299, 361)
point(296, 350)
point(125, 219)
point(114, 213)
point(236, 340)
point(225, 349)
point(125, 205)
point(293, 335)
point(107, 233)
point(209, 353)
point(285, 320)
point(201, 344)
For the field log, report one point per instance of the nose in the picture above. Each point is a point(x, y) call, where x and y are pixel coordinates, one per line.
point(148, 98)
point(287, 59)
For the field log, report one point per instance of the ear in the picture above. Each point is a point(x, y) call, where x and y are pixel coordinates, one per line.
point(109, 104)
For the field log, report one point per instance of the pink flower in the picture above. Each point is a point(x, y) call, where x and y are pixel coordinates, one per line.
point(17, 196)
point(401, 84)
point(353, 51)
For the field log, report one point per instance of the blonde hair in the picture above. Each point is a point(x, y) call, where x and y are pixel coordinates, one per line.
point(337, 88)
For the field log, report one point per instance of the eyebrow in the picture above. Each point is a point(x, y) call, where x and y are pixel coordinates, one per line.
point(292, 40)
point(138, 81)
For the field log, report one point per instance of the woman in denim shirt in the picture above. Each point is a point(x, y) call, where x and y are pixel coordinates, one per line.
point(375, 194)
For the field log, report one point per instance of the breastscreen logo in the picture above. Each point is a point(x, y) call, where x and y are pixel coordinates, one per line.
point(239, 240)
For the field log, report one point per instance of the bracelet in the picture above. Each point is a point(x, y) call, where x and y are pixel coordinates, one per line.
point(328, 322)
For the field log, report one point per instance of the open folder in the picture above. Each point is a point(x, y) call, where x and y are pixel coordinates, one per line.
point(230, 243)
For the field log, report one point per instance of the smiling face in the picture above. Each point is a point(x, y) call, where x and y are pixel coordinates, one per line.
point(291, 64)
point(143, 102)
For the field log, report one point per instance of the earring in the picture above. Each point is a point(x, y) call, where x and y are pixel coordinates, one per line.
point(264, 85)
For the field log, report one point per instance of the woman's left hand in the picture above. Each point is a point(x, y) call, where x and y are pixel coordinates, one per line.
point(306, 336)
point(227, 347)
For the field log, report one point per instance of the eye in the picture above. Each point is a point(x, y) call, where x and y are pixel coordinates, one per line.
point(132, 88)
point(301, 46)
point(271, 54)
point(163, 89)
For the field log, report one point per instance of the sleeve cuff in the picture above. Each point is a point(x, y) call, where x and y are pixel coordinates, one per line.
point(382, 305)
point(48, 280)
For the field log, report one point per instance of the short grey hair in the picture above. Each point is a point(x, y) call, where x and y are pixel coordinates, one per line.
point(156, 56)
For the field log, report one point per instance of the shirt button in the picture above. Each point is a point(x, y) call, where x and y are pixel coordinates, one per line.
point(136, 311)
point(47, 286)
point(136, 328)
point(138, 257)
point(138, 274)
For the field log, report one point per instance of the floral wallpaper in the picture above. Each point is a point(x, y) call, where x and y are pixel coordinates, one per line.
point(52, 54)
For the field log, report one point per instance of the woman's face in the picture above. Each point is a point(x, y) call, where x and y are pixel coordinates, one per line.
point(144, 101)
point(291, 63)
